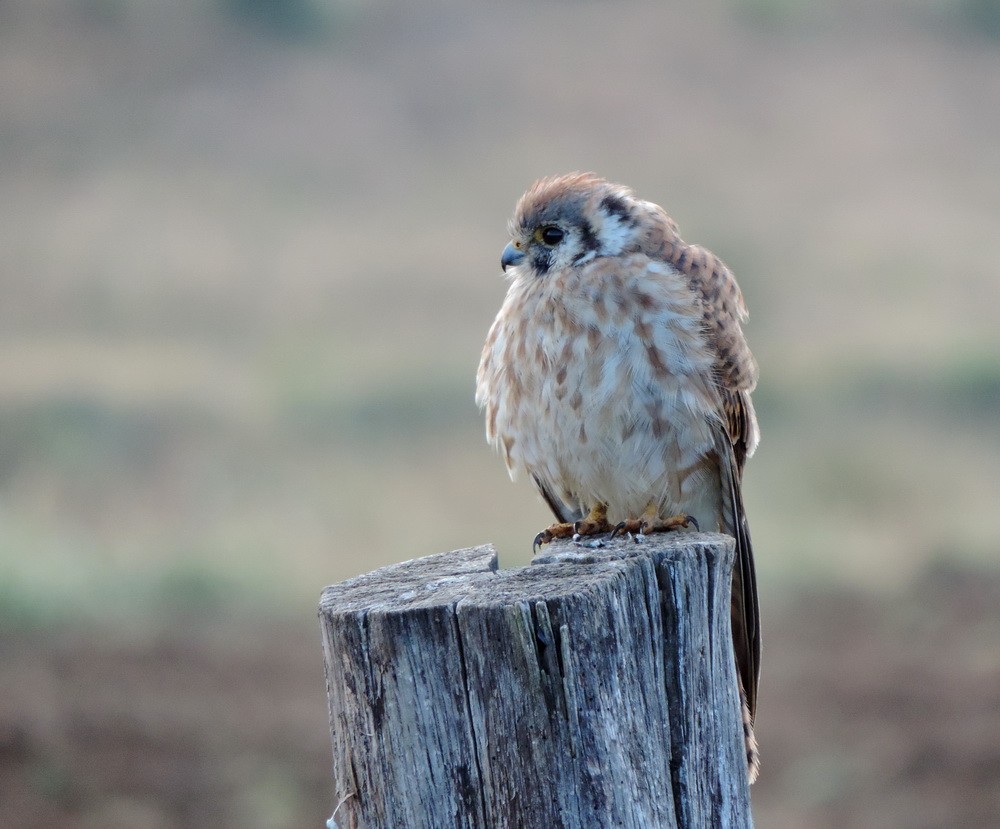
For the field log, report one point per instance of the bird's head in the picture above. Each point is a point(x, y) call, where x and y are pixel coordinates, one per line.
point(567, 221)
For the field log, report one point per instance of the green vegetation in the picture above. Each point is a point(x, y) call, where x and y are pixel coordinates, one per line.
point(285, 18)
point(248, 256)
point(246, 284)
point(982, 15)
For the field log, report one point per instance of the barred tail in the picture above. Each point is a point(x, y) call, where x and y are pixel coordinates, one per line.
point(749, 740)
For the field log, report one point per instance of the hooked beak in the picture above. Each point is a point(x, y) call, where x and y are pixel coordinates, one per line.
point(511, 256)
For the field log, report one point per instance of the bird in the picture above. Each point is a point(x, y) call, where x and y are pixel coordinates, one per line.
point(617, 377)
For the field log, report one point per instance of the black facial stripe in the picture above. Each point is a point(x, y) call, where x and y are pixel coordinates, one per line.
point(541, 261)
point(617, 206)
point(588, 237)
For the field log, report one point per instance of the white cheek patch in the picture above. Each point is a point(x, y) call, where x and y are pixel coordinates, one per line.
point(614, 235)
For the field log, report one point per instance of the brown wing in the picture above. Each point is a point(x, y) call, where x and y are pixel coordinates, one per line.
point(741, 424)
point(723, 311)
point(721, 300)
point(745, 609)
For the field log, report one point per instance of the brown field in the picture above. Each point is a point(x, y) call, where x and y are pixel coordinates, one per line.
point(875, 713)
point(248, 254)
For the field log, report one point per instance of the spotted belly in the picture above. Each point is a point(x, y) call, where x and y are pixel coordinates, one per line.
point(630, 450)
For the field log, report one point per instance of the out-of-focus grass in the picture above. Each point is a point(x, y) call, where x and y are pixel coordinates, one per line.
point(981, 15)
point(248, 256)
point(246, 280)
point(286, 18)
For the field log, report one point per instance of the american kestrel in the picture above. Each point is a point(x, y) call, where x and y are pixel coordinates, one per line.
point(617, 377)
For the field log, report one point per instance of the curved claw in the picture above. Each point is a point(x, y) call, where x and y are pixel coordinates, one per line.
point(650, 524)
point(635, 526)
point(544, 537)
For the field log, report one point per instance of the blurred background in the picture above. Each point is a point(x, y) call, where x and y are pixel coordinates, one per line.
point(249, 251)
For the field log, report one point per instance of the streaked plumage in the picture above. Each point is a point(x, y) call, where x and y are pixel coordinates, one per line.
point(616, 375)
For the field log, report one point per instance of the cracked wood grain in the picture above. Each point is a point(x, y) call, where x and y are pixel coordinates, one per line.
point(593, 688)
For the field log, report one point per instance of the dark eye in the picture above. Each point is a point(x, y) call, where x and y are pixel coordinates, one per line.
point(550, 235)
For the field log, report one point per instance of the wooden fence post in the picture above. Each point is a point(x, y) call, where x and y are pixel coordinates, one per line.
point(594, 688)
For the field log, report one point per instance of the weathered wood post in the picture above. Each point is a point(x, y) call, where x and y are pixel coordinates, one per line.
point(594, 688)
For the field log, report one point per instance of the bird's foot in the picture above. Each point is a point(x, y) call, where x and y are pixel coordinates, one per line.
point(595, 523)
point(551, 533)
point(651, 524)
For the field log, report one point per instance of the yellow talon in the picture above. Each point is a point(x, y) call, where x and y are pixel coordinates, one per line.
point(594, 523)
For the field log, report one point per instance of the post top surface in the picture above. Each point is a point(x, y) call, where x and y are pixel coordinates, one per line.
point(471, 575)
